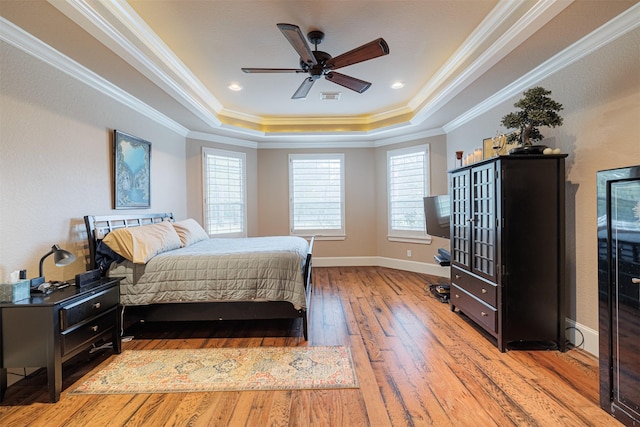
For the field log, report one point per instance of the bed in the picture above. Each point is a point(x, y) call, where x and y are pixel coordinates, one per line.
point(200, 279)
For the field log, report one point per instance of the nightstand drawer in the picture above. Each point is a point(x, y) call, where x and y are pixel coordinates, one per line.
point(486, 291)
point(88, 307)
point(474, 308)
point(88, 331)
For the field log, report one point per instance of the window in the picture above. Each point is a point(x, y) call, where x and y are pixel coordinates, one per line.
point(407, 186)
point(316, 194)
point(224, 187)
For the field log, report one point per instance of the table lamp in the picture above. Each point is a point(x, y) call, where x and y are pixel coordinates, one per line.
point(60, 256)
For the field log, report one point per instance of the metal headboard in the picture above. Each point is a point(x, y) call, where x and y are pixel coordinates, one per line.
point(100, 226)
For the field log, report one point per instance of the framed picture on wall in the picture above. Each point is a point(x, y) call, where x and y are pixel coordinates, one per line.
point(132, 172)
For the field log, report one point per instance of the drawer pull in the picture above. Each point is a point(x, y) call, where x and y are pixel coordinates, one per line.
point(457, 296)
point(97, 305)
point(483, 314)
point(458, 276)
point(484, 291)
point(635, 280)
point(94, 328)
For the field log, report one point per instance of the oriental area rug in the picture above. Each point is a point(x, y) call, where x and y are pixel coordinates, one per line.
point(223, 369)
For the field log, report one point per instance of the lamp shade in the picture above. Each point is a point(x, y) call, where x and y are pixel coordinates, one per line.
point(60, 256)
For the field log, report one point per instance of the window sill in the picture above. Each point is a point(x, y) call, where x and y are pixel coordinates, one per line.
point(426, 240)
point(320, 237)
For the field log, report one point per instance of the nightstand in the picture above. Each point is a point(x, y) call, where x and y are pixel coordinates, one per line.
point(47, 330)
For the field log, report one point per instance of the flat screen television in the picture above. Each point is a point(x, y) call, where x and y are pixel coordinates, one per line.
point(437, 214)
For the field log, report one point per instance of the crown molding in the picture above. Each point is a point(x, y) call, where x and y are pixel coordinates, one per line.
point(608, 32)
point(477, 38)
point(392, 134)
point(136, 43)
point(220, 139)
point(315, 145)
point(17, 37)
point(410, 137)
point(536, 17)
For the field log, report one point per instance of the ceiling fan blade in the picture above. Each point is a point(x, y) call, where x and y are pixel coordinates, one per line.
point(295, 37)
point(273, 70)
point(348, 81)
point(304, 88)
point(365, 52)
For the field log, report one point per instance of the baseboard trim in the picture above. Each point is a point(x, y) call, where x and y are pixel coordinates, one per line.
point(376, 261)
point(582, 336)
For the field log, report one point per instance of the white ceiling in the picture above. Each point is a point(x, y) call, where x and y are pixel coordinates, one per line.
point(179, 57)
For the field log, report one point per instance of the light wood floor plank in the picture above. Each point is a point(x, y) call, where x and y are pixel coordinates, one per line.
point(417, 364)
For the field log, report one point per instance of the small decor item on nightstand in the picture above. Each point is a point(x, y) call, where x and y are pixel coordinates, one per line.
point(537, 109)
point(15, 291)
point(87, 278)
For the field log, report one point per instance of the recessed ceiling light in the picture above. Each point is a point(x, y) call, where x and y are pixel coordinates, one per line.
point(397, 85)
point(235, 87)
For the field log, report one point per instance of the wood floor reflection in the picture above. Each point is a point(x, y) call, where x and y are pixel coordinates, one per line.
point(417, 363)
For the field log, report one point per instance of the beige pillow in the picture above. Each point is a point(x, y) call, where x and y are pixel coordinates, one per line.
point(140, 244)
point(190, 232)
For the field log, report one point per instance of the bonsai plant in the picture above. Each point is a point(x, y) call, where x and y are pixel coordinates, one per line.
point(537, 109)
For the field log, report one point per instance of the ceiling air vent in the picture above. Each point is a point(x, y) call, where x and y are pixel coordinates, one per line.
point(332, 96)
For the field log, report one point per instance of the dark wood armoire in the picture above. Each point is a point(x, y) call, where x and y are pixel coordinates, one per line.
point(508, 248)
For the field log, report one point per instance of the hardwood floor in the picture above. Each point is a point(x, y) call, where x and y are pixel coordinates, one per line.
point(417, 364)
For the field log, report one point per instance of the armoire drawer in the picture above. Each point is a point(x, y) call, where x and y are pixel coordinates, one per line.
point(474, 308)
point(481, 289)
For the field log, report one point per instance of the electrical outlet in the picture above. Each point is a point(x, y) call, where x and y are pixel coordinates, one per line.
point(408, 253)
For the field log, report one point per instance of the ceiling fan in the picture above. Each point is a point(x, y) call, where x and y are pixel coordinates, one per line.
point(318, 63)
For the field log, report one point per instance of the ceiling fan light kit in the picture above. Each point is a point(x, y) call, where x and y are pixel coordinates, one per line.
point(317, 63)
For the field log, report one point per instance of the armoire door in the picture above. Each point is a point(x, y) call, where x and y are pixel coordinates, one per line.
point(460, 187)
point(483, 220)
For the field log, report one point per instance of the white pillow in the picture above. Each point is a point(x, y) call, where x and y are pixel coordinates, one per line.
point(140, 244)
point(190, 232)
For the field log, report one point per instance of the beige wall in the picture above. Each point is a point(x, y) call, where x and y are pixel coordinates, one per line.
point(195, 201)
point(366, 200)
point(360, 195)
point(55, 163)
point(439, 185)
point(365, 188)
point(601, 98)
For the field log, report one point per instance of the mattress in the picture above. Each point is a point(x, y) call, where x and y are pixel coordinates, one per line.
point(236, 269)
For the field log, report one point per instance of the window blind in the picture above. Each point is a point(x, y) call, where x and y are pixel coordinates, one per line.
point(407, 186)
point(317, 194)
point(224, 188)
